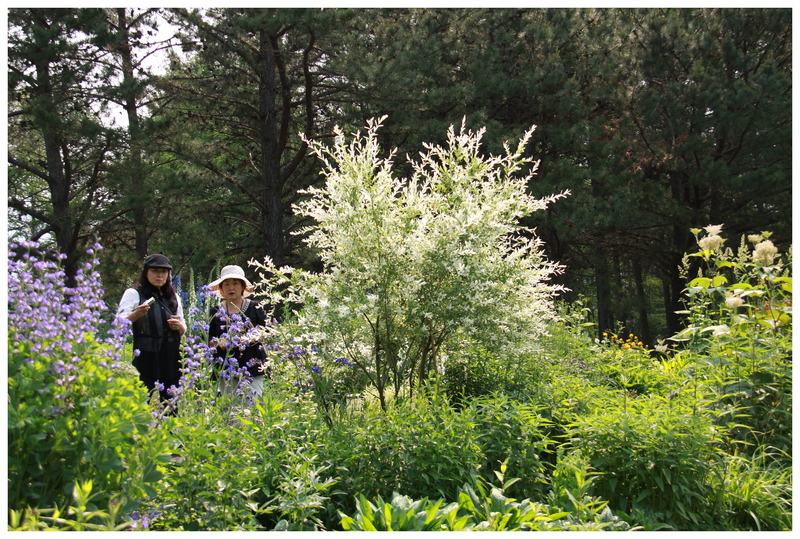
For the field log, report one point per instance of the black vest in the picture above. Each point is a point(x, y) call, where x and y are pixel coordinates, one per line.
point(150, 331)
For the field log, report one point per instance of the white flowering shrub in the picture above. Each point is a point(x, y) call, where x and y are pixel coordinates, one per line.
point(413, 264)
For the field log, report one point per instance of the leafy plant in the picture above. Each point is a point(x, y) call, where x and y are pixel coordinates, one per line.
point(481, 507)
point(472, 371)
point(73, 416)
point(82, 516)
point(323, 374)
point(412, 264)
point(420, 447)
point(510, 433)
point(755, 492)
point(651, 452)
point(737, 345)
point(300, 495)
point(571, 489)
point(402, 513)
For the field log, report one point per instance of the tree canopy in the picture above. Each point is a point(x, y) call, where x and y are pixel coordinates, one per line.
point(656, 120)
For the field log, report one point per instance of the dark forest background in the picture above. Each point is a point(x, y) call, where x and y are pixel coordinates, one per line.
point(179, 131)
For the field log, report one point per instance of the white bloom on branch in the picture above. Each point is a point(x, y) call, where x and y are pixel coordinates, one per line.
point(413, 263)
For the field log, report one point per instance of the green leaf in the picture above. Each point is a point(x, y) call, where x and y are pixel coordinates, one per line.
point(660, 483)
point(700, 282)
point(741, 286)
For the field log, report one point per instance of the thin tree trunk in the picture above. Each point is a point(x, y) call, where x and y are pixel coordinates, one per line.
point(272, 217)
point(137, 176)
point(604, 317)
point(644, 323)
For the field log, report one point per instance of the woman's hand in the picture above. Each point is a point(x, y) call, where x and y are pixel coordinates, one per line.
point(175, 324)
point(139, 312)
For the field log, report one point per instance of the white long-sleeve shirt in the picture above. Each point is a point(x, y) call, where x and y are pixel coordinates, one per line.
point(130, 300)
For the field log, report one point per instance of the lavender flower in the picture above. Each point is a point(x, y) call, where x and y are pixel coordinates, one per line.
point(50, 319)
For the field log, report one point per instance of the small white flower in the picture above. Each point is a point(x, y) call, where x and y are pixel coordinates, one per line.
point(755, 238)
point(765, 253)
point(734, 302)
point(711, 243)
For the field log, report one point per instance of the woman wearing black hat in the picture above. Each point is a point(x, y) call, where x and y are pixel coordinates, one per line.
point(157, 315)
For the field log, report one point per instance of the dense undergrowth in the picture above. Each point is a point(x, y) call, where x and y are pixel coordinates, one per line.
point(584, 434)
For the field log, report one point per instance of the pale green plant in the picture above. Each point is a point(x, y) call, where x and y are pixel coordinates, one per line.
point(300, 495)
point(738, 340)
point(82, 515)
point(755, 492)
point(480, 507)
point(412, 264)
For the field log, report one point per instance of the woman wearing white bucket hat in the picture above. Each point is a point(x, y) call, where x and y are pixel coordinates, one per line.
point(232, 318)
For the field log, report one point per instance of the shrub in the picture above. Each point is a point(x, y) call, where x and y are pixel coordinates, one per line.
point(242, 466)
point(738, 342)
point(414, 263)
point(80, 516)
point(420, 447)
point(754, 492)
point(651, 452)
point(472, 371)
point(480, 507)
point(513, 434)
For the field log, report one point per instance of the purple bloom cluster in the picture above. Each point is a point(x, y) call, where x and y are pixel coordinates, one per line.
point(52, 322)
point(142, 522)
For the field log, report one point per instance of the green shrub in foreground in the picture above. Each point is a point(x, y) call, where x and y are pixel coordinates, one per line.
point(754, 492)
point(654, 453)
point(97, 428)
point(420, 447)
point(245, 467)
point(514, 433)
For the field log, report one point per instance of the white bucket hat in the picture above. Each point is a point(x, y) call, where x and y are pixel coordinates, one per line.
point(232, 272)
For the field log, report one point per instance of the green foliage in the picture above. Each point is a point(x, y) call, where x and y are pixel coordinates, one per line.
point(755, 493)
point(571, 487)
point(319, 373)
point(104, 438)
point(601, 434)
point(402, 513)
point(738, 340)
point(215, 480)
point(300, 495)
point(481, 507)
point(512, 434)
point(472, 371)
point(651, 452)
point(242, 467)
point(420, 447)
point(82, 516)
